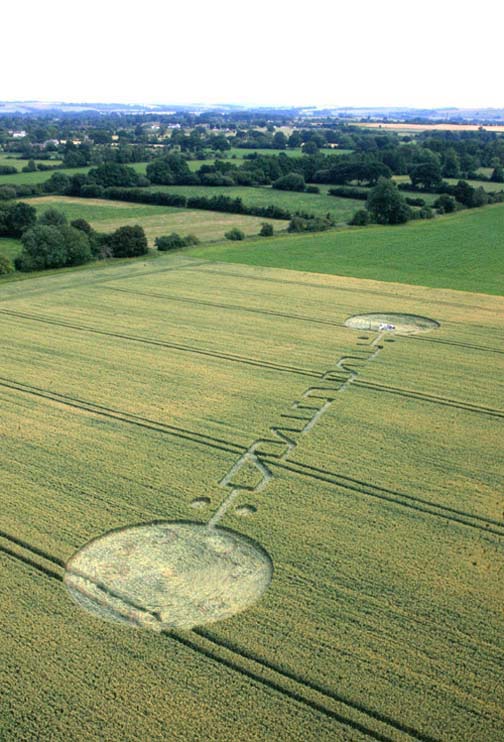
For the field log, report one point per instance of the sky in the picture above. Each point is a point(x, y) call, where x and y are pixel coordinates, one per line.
point(276, 53)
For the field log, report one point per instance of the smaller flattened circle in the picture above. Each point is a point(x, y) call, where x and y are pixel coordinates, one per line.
point(200, 502)
point(245, 510)
point(406, 324)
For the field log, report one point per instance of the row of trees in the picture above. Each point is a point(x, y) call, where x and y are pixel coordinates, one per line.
point(49, 241)
point(386, 204)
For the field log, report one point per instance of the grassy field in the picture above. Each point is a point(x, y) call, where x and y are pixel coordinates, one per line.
point(241, 153)
point(382, 516)
point(19, 162)
point(342, 209)
point(9, 247)
point(106, 216)
point(461, 251)
point(38, 176)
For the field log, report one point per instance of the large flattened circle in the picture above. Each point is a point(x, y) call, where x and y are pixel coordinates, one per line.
point(406, 324)
point(168, 575)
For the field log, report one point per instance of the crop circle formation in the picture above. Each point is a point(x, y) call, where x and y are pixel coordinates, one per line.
point(392, 322)
point(168, 575)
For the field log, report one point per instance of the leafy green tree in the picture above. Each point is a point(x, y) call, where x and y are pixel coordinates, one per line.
point(128, 242)
point(497, 174)
point(171, 241)
point(266, 230)
point(50, 246)
point(234, 234)
point(52, 217)
point(464, 193)
point(290, 182)
point(426, 174)
point(360, 219)
point(386, 204)
point(279, 140)
point(451, 165)
point(445, 204)
point(112, 174)
point(6, 266)
point(310, 148)
point(169, 170)
point(295, 140)
point(57, 183)
point(7, 192)
point(16, 218)
point(30, 168)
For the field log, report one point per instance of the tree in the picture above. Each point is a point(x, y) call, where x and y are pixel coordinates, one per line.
point(52, 217)
point(386, 204)
point(451, 164)
point(169, 170)
point(497, 174)
point(112, 174)
point(57, 183)
point(171, 241)
point(30, 168)
point(445, 204)
point(426, 174)
point(360, 218)
point(50, 246)
point(6, 266)
point(16, 218)
point(310, 148)
point(279, 140)
point(295, 140)
point(464, 193)
point(290, 182)
point(266, 230)
point(128, 242)
point(234, 234)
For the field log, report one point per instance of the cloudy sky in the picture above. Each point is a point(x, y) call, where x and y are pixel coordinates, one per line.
point(387, 53)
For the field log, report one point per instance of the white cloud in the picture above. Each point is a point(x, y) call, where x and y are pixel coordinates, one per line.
point(276, 52)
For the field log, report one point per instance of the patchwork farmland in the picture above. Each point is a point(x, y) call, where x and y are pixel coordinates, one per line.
point(362, 461)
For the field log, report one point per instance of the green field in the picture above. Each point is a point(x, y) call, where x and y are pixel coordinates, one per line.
point(342, 209)
point(130, 393)
point(241, 153)
point(461, 251)
point(38, 176)
point(19, 162)
point(9, 247)
point(106, 216)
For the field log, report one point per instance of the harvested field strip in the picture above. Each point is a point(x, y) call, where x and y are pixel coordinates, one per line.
point(123, 416)
point(235, 307)
point(258, 670)
point(488, 525)
point(467, 406)
point(163, 344)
